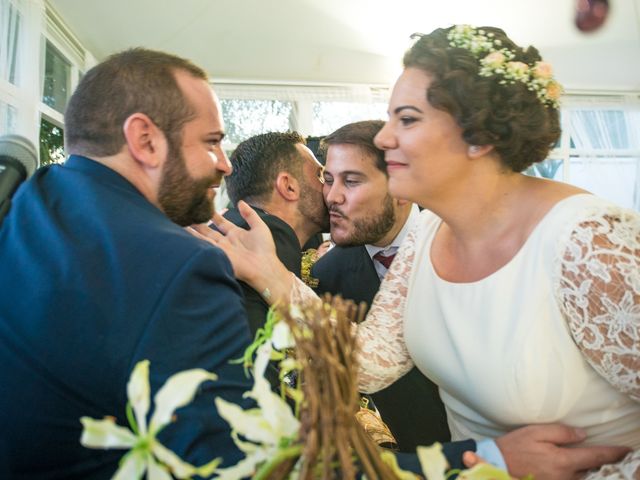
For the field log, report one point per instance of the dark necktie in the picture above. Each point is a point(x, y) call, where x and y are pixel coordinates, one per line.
point(384, 259)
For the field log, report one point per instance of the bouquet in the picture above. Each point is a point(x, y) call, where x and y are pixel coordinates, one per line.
point(317, 437)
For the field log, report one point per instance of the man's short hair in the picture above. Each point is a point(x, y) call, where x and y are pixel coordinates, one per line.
point(257, 162)
point(360, 134)
point(136, 80)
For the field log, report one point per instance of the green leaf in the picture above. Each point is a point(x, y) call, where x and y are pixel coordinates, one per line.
point(262, 335)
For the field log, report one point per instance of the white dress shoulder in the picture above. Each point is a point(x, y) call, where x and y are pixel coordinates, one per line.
point(501, 349)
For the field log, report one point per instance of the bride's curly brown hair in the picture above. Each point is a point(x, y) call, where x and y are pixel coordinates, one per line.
point(509, 117)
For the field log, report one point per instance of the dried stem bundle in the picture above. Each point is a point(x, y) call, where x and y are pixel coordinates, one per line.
point(334, 443)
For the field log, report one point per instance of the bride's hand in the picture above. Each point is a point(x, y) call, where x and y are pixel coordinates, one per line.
point(252, 252)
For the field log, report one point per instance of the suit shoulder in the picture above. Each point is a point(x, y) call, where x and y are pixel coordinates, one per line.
point(335, 258)
point(175, 244)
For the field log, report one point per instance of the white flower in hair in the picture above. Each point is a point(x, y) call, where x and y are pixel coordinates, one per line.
point(496, 60)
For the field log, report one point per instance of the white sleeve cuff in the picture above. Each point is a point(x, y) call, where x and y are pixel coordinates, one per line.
point(489, 451)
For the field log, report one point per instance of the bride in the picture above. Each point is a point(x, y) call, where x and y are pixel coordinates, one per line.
point(518, 296)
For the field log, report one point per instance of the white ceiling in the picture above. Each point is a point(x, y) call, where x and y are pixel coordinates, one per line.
point(352, 41)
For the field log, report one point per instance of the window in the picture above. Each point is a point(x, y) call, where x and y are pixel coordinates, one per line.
point(329, 116)
point(599, 150)
point(51, 143)
point(8, 117)
point(10, 21)
point(315, 110)
point(613, 178)
point(550, 168)
point(605, 151)
point(57, 77)
point(246, 118)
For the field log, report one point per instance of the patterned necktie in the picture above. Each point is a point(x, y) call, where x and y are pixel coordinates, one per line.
point(384, 259)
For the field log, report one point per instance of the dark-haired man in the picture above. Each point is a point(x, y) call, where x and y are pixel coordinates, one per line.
point(97, 273)
point(282, 180)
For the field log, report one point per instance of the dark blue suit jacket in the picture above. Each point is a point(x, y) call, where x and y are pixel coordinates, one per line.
point(93, 279)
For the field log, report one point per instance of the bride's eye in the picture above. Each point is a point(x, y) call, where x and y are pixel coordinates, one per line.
point(407, 120)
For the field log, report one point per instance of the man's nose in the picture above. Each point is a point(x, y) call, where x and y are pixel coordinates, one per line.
point(333, 195)
point(222, 162)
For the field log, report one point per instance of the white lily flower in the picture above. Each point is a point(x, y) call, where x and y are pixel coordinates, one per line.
point(390, 459)
point(281, 337)
point(266, 427)
point(138, 393)
point(434, 464)
point(147, 453)
point(275, 410)
point(432, 461)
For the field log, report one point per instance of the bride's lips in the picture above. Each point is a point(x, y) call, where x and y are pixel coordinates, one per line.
point(393, 165)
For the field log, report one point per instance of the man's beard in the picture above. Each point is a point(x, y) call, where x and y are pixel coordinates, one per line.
point(369, 230)
point(184, 199)
point(313, 208)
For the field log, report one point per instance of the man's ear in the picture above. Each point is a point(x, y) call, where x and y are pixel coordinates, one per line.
point(287, 186)
point(147, 144)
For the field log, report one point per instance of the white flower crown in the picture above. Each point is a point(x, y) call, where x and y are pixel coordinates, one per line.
point(496, 60)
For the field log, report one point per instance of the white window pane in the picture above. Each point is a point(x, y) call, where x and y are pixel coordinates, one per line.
point(8, 118)
point(329, 116)
point(549, 168)
point(615, 179)
point(246, 118)
point(51, 143)
point(56, 79)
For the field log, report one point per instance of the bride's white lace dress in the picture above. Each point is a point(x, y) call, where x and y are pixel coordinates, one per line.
point(553, 336)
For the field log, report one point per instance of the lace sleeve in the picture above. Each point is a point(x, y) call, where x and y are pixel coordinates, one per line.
point(384, 355)
point(301, 293)
point(599, 294)
point(627, 469)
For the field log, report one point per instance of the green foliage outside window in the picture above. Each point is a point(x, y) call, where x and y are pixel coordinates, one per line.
point(51, 143)
point(245, 118)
